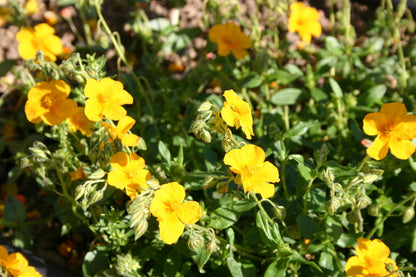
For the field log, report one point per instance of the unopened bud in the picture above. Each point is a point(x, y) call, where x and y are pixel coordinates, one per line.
point(352, 217)
point(373, 210)
point(321, 154)
point(209, 182)
point(370, 178)
point(333, 206)
point(363, 202)
point(408, 214)
point(142, 144)
point(140, 229)
point(79, 192)
point(196, 241)
point(389, 267)
point(211, 247)
point(153, 184)
point(280, 212)
point(98, 174)
point(196, 126)
point(206, 136)
point(206, 106)
point(328, 176)
point(38, 154)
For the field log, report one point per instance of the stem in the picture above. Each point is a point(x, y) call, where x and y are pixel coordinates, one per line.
point(305, 202)
point(66, 195)
point(398, 205)
point(85, 26)
point(284, 179)
point(120, 52)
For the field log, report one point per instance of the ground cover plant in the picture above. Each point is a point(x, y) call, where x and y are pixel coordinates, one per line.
point(216, 138)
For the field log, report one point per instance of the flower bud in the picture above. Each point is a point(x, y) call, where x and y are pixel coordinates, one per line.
point(363, 202)
point(209, 182)
point(373, 210)
point(328, 176)
point(408, 214)
point(142, 144)
point(333, 206)
point(370, 178)
point(98, 174)
point(321, 154)
point(196, 241)
point(206, 136)
point(280, 212)
point(206, 106)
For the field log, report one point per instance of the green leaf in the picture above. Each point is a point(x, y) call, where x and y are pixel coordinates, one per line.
point(336, 89)
point(201, 257)
point(277, 269)
point(253, 80)
point(373, 95)
point(348, 240)
point(307, 225)
point(333, 228)
point(242, 206)
point(286, 96)
point(94, 261)
point(223, 218)
point(334, 46)
point(14, 210)
point(326, 260)
point(299, 129)
point(318, 94)
point(172, 264)
point(283, 77)
point(269, 234)
point(303, 169)
point(234, 267)
point(164, 152)
point(5, 66)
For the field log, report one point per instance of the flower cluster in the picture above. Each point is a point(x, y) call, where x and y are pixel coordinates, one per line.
point(16, 264)
point(372, 260)
point(305, 21)
point(394, 129)
point(256, 175)
point(230, 38)
point(172, 213)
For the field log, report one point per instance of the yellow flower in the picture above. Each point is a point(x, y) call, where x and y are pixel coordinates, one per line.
point(48, 102)
point(106, 98)
point(79, 121)
point(230, 38)
point(394, 129)
point(371, 260)
point(120, 131)
point(236, 112)
point(31, 6)
point(40, 38)
point(305, 21)
point(256, 174)
point(172, 213)
point(16, 264)
point(128, 173)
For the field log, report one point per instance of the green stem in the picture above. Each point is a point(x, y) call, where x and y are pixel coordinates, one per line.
point(283, 178)
point(305, 201)
point(398, 205)
point(120, 52)
point(66, 195)
point(85, 26)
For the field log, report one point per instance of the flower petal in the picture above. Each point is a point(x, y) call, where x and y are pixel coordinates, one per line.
point(93, 110)
point(170, 228)
point(117, 178)
point(394, 110)
point(379, 148)
point(354, 267)
point(375, 123)
point(124, 125)
point(130, 140)
point(401, 149)
point(189, 212)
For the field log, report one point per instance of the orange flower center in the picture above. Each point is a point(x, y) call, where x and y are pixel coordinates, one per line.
point(228, 42)
point(46, 101)
point(102, 98)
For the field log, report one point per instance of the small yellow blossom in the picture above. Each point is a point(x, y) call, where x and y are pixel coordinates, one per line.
point(31, 6)
point(236, 112)
point(128, 173)
point(40, 38)
point(394, 129)
point(371, 260)
point(230, 38)
point(16, 264)
point(172, 213)
point(105, 98)
point(256, 174)
point(120, 131)
point(305, 21)
point(48, 102)
point(79, 121)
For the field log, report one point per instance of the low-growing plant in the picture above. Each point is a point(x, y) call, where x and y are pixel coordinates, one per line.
point(279, 148)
